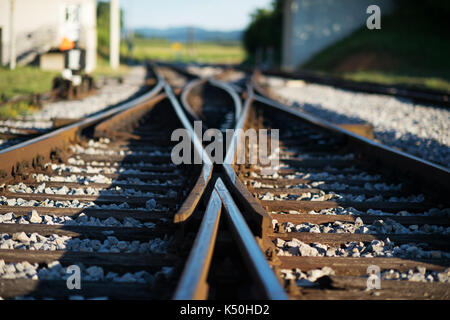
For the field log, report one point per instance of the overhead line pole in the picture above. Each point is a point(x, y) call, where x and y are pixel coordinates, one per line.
point(114, 34)
point(12, 37)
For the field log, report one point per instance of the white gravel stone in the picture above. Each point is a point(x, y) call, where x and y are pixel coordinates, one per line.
point(109, 94)
point(323, 196)
point(54, 242)
point(306, 279)
point(385, 248)
point(77, 149)
point(299, 174)
point(55, 271)
point(34, 217)
point(419, 274)
point(434, 212)
point(151, 204)
point(76, 204)
point(378, 227)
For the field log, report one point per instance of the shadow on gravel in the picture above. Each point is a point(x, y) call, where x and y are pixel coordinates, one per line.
point(425, 148)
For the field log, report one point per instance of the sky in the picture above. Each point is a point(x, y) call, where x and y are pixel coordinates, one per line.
point(223, 15)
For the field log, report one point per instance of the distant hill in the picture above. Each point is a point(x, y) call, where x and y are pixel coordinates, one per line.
point(180, 34)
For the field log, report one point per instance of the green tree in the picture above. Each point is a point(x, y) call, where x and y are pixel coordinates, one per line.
point(265, 31)
point(103, 28)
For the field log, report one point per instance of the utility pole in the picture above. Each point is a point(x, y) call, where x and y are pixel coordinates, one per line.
point(114, 34)
point(190, 41)
point(12, 38)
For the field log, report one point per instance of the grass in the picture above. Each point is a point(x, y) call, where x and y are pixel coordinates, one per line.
point(29, 80)
point(104, 70)
point(205, 52)
point(16, 109)
point(32, 80)
point(396, 78)
point(24, 81)
point(410, 49)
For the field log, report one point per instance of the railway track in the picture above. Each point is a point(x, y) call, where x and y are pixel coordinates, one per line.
point(20, 129)
point(104, 195)
point(14, 132)
point(105, 204)
point(339, 204)
point(142, 227)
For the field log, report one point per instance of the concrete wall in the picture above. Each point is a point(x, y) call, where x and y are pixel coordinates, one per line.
point(311, 25)
point(39, 24)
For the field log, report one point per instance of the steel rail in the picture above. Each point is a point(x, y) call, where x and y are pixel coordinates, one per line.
point(235, 87)
point(187, 125)
point(192, 284)
point(228, 88)
point(252, 254)
point(414, 164)
point(188, 206)
point(220, 84)
point(191, 202)
point(261, 220)
point(44, 144)
point(185, 93)
point(230, 156)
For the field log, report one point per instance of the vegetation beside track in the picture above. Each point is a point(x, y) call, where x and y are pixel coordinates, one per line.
point(23, 81)
point(411, 48)
point(17, 109)
point(205, 52)
point(103, 69)
point(264, 32)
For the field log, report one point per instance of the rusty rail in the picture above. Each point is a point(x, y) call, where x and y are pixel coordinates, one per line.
point(27, 152)
point(188, 207)
point(192, 284)
point(219, 84)
point(263, 274)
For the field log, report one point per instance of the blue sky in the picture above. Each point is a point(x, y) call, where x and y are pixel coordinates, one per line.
point(209, 14)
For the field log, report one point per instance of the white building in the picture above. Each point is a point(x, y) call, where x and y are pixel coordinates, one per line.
point(41, 25)
point(311, 25)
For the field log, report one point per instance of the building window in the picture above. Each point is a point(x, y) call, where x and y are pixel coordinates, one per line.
point(72, 14)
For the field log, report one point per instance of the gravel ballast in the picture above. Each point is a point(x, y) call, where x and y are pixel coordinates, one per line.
point(358, 227)
point(81, 220)
point(418, 129)
point(55, 271)
point(418, 274)
point(35, 241)
point(111, 92)
point(376, 248)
